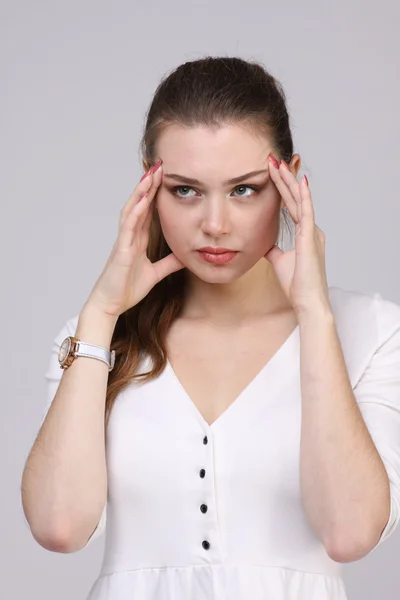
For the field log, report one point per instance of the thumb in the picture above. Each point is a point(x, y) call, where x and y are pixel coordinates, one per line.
point(167, 265)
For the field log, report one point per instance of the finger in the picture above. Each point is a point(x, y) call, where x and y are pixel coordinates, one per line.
point(131, 226)
point(290, 181)
point(142, 187)
point(149, 184)
point(145, 218)
point(148, 219)
point(294, 187)
point(157, 177)
point(307, 209)
point(286, 193)
point(138, 223)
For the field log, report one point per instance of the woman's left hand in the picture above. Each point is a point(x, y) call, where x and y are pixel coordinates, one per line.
point(301, 271)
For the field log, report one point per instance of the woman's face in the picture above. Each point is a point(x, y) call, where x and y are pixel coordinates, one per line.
point(214, 212)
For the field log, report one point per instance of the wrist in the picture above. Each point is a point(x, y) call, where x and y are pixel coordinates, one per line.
point(317, 314)
point(95, 327)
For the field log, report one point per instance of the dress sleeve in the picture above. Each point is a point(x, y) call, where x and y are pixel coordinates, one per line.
point(53, 377)
point(378, 397)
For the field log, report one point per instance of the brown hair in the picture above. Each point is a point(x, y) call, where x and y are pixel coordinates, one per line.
point(211, 91)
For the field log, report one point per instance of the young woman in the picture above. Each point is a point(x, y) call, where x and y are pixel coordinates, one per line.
point(239, 426)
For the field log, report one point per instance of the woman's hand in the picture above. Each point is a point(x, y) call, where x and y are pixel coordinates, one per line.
point(129, 275)
point(301, 271)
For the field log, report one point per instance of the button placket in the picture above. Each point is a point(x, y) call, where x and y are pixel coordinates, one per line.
point(204, 507)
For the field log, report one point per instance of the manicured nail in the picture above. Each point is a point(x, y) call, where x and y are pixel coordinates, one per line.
point(273, 161)
point(157, 165)
point(285, 165)
point(147, 173)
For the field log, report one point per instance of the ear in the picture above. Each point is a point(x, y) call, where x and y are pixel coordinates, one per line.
point(295, 164)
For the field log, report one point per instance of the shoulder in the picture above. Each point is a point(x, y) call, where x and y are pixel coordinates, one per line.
point(368, 311)
point(364, 321)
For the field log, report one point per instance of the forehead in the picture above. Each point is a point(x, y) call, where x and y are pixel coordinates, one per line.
point(236, 146)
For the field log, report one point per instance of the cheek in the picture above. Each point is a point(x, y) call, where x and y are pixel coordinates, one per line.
point(260, 231)
point(171, 225)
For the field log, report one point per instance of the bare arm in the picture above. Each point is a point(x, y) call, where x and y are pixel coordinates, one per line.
point(64, 483)
point(345, 486)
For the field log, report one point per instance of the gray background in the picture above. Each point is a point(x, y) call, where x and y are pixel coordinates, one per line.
point(78, 79)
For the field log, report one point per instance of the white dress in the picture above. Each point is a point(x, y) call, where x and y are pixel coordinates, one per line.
point(214, 513)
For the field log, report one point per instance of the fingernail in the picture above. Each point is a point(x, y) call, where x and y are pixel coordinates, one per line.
point(285, 165)
point(274, 161)
point(147, 173)
point(157, 165)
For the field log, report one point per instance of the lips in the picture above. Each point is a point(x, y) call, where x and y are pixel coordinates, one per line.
point(216, 250)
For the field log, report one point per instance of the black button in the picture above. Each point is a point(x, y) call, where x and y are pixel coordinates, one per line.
point(202, 473)
point(206, 545)
point(204, 508)
point(205, 440)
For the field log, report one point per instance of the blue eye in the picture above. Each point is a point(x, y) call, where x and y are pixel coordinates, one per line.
point(250, 187)
point(181, 187)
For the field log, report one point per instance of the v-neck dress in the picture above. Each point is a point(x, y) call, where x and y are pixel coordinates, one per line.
point(200, 512)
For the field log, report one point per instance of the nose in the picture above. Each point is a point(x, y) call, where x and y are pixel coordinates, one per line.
point(216, 220)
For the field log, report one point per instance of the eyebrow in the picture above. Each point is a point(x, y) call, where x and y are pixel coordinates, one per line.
point(197, 182)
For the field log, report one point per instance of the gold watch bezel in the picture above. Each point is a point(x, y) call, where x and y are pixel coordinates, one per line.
point(70, 356)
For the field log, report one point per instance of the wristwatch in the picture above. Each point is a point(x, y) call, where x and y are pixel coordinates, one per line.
point(72, 347)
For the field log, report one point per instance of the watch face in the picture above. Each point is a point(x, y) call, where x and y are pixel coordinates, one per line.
point(64, 350)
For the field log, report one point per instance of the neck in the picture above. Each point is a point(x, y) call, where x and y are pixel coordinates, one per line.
point(255, 294)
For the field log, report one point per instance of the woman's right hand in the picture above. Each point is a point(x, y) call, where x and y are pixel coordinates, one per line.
point(129, 275)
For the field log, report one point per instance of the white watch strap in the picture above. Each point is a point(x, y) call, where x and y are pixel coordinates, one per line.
point(92, 351)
